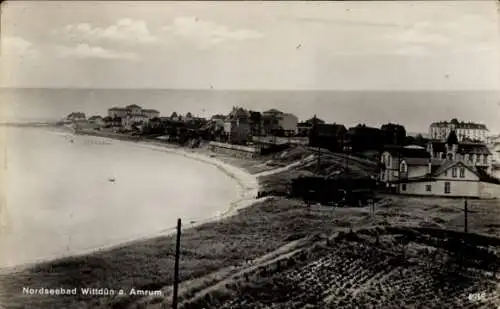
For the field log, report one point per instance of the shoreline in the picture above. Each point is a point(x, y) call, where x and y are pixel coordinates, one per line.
point(247, 196)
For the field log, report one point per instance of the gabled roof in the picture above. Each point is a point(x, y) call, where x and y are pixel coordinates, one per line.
point(446, 165)
point(485, 177)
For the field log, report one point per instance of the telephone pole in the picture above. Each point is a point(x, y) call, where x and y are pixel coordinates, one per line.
point(465, 216)
point(319, 159)
point(176, 269)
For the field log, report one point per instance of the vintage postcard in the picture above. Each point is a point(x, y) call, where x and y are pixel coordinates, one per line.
point(250, 155)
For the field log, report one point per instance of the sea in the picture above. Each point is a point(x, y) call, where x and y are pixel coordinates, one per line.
point(68, 194)
point(416, 110)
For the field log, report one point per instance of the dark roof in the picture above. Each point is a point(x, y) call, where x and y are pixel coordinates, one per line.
point(151, 110)
point(273, 111)
point(95, 117)
point(485, 177)
point(117, 109)
point(463, 148)
point(416, 161)
point(392, 126)
point(407, 152)
point(362, 129)
point(76, 114)
point(132, 106)
point(313, 120)
point(329, 129)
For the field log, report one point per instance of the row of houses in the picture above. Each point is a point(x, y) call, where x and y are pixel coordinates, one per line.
point(445, 168)
point(125, 117)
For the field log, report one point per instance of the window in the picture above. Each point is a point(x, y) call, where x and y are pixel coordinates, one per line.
point(403, 187)
point(428, 188)
point(403, 167)
point(447, 187)
point(485, 159)
point(446, 173)
point(454, 172)
point(462, 172)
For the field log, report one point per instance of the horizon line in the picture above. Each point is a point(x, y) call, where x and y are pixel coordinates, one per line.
point(255, 89)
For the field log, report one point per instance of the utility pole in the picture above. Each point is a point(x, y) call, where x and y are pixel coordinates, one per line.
point(176, 269)
point(465, 216)
point(319, 158)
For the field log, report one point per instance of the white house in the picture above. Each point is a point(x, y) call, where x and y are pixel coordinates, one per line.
point(414, 174)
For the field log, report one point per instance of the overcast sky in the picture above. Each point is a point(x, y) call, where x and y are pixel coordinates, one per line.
point(424, 45)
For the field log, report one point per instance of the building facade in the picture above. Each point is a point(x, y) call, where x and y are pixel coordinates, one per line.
point(275, 120)
point(362, 138)
point(328, 136)
point(470, 154)
point(76, 116)
point(465, 130)
point(237, 126)
point(414, 173)
point(117, 112)
point(151, 113)
point(132, 115)
point(97, 120)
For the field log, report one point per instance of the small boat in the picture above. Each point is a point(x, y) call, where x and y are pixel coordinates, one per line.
point(111, 179)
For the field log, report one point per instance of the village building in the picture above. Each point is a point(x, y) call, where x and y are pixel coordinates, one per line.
point(97, 120)
point(409, 170)
point(117, 112)
point(328, 136)
point(395, 134)
point(237, 126)
point(304, 128)
point(362, 138)
point(76, 116)
point(151, 113)
point(132, 115)
point(470, 153)
point(493, 144)
point(276, 122)
point(465, 130)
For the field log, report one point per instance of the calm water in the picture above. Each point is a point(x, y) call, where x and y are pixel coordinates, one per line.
point(60, 201)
